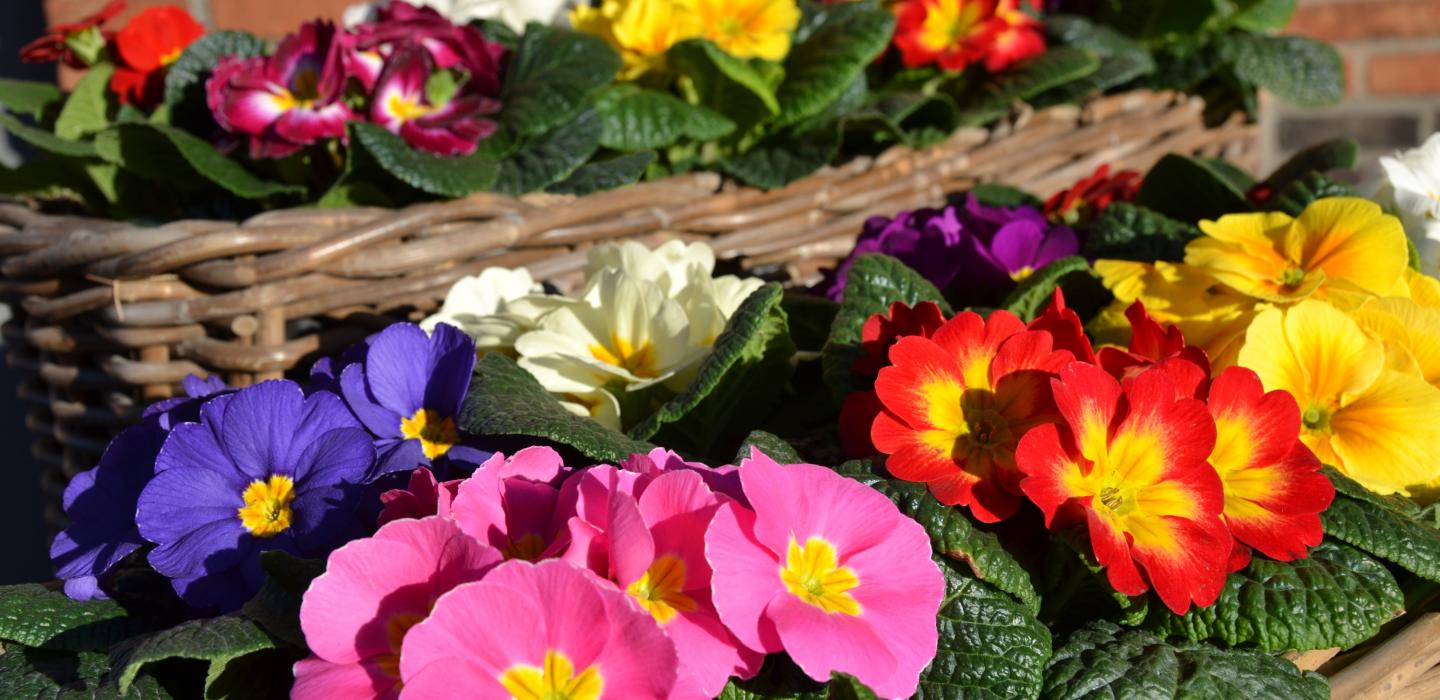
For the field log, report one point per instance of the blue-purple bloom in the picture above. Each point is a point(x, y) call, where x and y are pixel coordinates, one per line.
point(100, 502)
point(264, 468)
point(407, 391)
point(976, 253)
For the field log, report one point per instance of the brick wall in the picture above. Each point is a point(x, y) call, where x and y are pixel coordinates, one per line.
point(1392, 63)
point(267, 18)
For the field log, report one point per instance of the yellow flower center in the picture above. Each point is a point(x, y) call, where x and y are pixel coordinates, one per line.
point(1292, 277)
point(407, 110)
point(1119, 500)
point(555, 681)
point(528, 548)
point(171, 56)
point(621, 353)
point(395, 630)
point(266, 512)
point(948, 23)
point(1022, 274)
point(1315, 419)
point(814, 575)
point(658, 590)
point(436, 434)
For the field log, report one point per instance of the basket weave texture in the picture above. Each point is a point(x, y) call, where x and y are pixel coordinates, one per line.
point(112, 315)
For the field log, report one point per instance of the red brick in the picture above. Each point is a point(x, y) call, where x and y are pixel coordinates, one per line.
point(1367, 19)
point(59, 11)
point(274, 18)
point(1404, 73)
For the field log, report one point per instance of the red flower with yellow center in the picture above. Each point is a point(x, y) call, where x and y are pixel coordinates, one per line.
point(1065, 328)
point(1152, 345)
point(880, 332)
point(145, 46)
point(956, 404)
point(1130, 463)
point(1018, 36)
point(950, 33)
point(1090, 196)
point(1274, 491)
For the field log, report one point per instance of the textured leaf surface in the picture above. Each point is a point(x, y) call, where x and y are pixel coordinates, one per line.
point(1320, 158)
point(505, 400)
point(551, 75)
point(85, 109)
point(1190, 189)
point(1058, 66)
point(1338, 597)
point(444, 176)
point(1297, 195)
point(550, 157)
point(720, 76)
point(1127, 232)
point(784, 158)
point(601, 175)
point(635, 118)
point(846, 38)
point(1035, 292)
point(1122, 59)
point(35, 616)
point(186, 76)
point(746, 371)
point(216, 640)
point(990, 646)
point(773, 446)
point(38, 674)
point(1104, 661)
point(1380, 526)
point(1299, 70)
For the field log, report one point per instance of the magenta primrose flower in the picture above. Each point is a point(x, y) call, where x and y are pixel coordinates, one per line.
point(287, 101)
point(538, 631)
point(828, 570)
point(423, 497)
point(510, 504)
point(403, 105)
point(449, 45)
point(373, 592)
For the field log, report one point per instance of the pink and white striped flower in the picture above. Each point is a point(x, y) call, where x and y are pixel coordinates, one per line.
point(402, 104)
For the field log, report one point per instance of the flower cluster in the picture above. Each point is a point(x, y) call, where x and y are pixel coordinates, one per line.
point(641, 31)
point(975, 252)
point(210, 481)
point(1174, 474)
point(954, 34)
point(661, 578)
point(1323, 306)
point(412, 71)
point(642, 323)
point(1084, 200)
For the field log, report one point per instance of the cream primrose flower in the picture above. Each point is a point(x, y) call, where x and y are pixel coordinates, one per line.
point(1412, 191)
point(711, 301)
point(494, 308)
point(513, 13)
point(669, 265)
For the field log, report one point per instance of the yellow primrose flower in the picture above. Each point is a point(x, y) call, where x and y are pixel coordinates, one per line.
point(1272, 257)
point(641, 31)
point(1405, 326)
point(1211, 315)
point(747, 28)
point(1361, 411)
point(1423, 289)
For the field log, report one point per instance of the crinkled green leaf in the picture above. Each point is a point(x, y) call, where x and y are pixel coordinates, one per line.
point(1320, 158)
point(40, 674)
point(44, 140)
point(635, 118)
point(745, 372)
point(36, 616)
point(1297, 195)
point(504, 399)
point(445, 176)
point(773, 446)
point(28, 97)
point(1061, 65)
point(86, 109)
point(262, 675)
point(1380, 527)
point(1038, 289)
point(784, 158)
point(990, 646)
point(872, 284)
point(1103, 661)
point(1299, 70)
point(1127, 232)
point(952, 534)
point(1336, 597)
point(601, 175)
point(1122, 59)
point(550, 157)
point(1261, 16)
point(216, 640)
point(719, 77)
point(1190, 189)
point(185, 78)
point(550, 77)
point(819, 69)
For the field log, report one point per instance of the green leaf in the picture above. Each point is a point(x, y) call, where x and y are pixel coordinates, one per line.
point(216, 640)
point(1380, 529)
point(1302, 191)
point(36, 616)
point(1337, 597)
point(1299, 70)
point(39, 674)
point(989, 647)
point(1058, 66)
point(773, 446)
point(185, 78)
point(1262, 16)
point(1339, 154)
point(952, 534)
point(635, 118)
point(261, 675)
point(994, 195)
point(1122, 59)
point(504, 399)
point(819, 69)
point(44, 140)
point(276, 607)
point(440, 175)
point(550, 157)
point(872, 284)
point(721, 79)
point(1105, 661)
point(1190, 189)
point(550, 77)
point(810, 317)
point(205, 161)
point(1127, 232)
point(746, 370)
point(27, 97)
point(1035, 292)
point(86, 110)
point(784, 158)
point(601, 175)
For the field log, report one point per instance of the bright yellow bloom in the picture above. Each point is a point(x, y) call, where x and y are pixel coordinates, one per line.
point(1404, 326)
point(640, 30)
point(747, 28)
point(1423, 289)
point(1210, 314)
point(1371, 417)
point(1272, 257)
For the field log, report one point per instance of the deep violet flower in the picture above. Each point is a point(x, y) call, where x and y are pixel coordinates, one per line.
point(264, 468)
point(100, 502)
point(287, 101)
point(407, 391)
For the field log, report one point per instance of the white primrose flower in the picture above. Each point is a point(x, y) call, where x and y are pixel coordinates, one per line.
point(494, 307)
point(599, 405)
point(514, 13)
point(669, 265)
point(711, 301)
point(1412, 191)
